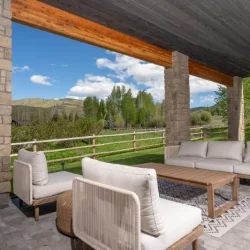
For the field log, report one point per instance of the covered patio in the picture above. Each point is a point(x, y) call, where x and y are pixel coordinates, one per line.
point(206, 39)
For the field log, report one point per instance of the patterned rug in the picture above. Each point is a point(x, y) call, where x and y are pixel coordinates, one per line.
point(198, 197)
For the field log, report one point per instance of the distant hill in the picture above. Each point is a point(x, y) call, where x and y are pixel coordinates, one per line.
point(24, 109)
point(48, 103)
point(65, 104)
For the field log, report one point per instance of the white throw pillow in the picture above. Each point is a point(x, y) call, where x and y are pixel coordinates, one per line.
point(247, 157)
point(38, 162)
point(225, 150)
point(194, 149)
point(139, 180)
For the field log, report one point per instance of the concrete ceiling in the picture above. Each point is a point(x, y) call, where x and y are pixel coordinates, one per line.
point(213, 32)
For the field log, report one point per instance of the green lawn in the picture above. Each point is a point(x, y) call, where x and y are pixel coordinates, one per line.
point(131, 158)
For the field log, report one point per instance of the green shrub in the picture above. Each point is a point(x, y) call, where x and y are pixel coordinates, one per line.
point(56, 130)
point(206, 116)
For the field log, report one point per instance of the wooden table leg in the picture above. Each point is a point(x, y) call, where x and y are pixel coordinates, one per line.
point(235, 186)
point(210, 201)
point(195, 245)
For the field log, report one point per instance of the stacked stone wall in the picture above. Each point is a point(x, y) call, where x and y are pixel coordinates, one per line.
point(5, 100)
point(177, 94)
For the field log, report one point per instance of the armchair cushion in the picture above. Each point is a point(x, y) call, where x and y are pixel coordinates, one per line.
point(141, 181)
point(231, 150)
point(179, 220)
point(38, 162)
point(193, 149)
point(59, 182)
point(183, 161)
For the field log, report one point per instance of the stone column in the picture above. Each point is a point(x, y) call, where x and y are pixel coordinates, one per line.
point(177, 95)
point(5, 100)
point(235, 109)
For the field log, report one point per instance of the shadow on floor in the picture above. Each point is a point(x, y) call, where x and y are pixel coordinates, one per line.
point(28, 210)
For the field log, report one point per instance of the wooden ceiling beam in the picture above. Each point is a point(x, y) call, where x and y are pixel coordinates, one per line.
point(45, 17)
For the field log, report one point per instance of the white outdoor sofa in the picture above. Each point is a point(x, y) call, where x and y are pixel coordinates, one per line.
point(226, 156)
point(32, 183)
point(118, 207)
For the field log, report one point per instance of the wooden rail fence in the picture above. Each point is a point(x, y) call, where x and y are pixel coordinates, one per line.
point(197, 133)
point(35, 144)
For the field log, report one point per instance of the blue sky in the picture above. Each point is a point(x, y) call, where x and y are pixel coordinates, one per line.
point(49, 66)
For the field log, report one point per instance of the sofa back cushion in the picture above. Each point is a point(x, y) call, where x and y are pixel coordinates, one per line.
point(232, 150)
point(38, 162)
point(141, 181)
point(194, 149)
point(247, 155)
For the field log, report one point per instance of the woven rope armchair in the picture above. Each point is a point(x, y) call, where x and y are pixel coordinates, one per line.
point(108, 218)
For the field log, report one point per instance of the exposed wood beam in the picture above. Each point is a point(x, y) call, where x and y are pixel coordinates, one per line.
point(43, 16)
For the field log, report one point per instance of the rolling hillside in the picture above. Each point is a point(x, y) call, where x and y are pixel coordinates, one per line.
point(24, 109)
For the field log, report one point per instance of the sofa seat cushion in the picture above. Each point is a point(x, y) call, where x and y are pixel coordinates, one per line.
point(243, 168)
point(38, 162)
point(223, 165)
point(141, 181)
point(193, 149)
point(183, 161)
point(247, 155)
point(59, 182)
point(179, 219)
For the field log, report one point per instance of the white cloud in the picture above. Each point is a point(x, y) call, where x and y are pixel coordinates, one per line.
point(99, 86)
point(64, 65)
point(21, 69)
point(208, 98)
point(149, 75)
point(39, 79)
point(135, 74)
point(52, 64)
point(198, 85)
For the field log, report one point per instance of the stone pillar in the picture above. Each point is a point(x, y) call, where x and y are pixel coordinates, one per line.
point(5, 100)
point(177, 95)
point(235, 109)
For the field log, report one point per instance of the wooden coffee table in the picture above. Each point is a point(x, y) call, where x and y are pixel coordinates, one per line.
point(199, 178)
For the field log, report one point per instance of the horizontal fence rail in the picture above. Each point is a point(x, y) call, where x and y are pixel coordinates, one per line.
point(35, 144)
point(197, 133)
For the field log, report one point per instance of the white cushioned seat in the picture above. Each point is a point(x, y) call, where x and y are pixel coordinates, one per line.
point(194, 149)
point(179, 220)
point(247, 153)
point(38, 162)
point(183, 161)
point(225, 150)
point(59, 182)
point(224, 165)
point(141, 181)
point(243, 168)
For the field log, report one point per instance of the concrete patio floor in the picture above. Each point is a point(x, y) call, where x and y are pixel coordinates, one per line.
point(19, 230)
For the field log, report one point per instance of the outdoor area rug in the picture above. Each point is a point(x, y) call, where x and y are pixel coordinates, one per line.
point(198, 197)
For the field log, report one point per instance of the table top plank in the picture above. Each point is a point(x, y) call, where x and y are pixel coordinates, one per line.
point(201, 176)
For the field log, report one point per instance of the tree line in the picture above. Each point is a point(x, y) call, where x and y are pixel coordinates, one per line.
point(121, 109)
point(221, 101)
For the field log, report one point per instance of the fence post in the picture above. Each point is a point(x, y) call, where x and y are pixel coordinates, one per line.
point(93, 146)
point(202, 133)
point(163, 138)
point(34, 146)
point(134, 141)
